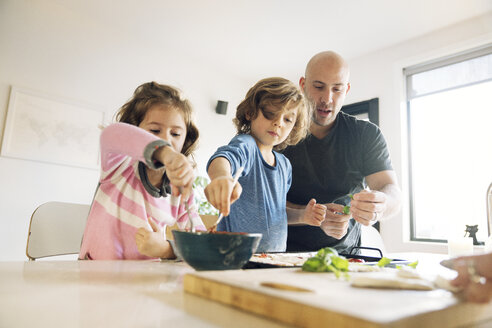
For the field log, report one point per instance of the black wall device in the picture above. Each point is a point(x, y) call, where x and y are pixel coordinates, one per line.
point(221, 107)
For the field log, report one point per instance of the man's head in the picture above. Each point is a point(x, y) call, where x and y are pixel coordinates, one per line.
point(325, 85)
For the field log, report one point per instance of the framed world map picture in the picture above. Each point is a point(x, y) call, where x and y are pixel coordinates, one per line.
point(45, 129)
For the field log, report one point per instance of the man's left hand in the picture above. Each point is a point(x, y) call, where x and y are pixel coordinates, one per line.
point(368, 206)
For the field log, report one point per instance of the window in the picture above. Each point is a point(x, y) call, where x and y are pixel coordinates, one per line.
point(449, 107)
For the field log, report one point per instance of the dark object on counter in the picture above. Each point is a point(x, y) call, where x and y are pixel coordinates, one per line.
point(216, 251)
point(252, 264)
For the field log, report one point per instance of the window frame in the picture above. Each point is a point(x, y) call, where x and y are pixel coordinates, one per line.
point(407, 73)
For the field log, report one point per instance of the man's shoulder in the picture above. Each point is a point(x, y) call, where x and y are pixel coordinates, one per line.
point(351, 119)
point(291, 151)
point(362, 128)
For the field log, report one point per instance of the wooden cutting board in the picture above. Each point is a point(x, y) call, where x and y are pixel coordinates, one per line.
point(319, 299)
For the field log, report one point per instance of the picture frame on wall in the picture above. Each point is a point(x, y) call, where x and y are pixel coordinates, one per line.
point(364, 110)
point(51, 130)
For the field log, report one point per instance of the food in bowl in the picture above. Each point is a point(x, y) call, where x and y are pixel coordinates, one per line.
point(217, 250)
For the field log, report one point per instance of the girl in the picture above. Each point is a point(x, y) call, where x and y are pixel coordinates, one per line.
point(145, 172)
point(272, 116)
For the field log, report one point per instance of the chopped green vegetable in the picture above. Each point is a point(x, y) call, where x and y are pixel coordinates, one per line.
point(384, 261)
point(413, 264)
point(340, 263)
point(322, 253)
point(314, 264)
point(327, 260)
point(346, 208)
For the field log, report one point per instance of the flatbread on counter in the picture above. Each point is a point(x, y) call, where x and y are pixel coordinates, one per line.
point(390, 280)
point(359, 267)
point(282, 259)
point(298, 259)
point(403, 278)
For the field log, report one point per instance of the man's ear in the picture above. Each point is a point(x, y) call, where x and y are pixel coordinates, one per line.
point(302, 82)
point(348, 87)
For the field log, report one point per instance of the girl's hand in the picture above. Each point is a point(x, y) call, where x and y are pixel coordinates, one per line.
point(152, 243)
point(314, 214)
point(221, 193)
point(179, 171)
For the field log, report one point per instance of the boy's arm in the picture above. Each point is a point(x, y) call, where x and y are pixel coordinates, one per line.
point(219, 167)
point(311, 214)
point(221, 191)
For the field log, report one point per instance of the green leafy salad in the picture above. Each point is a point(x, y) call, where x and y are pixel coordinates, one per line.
point(328, 260)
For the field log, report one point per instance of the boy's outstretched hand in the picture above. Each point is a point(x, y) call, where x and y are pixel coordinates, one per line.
point(221, 193)
point(314, 214)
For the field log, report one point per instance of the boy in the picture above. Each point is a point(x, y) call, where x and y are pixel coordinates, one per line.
point(271, 117)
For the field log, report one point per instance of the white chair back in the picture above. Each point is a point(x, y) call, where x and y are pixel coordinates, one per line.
point(56, 228)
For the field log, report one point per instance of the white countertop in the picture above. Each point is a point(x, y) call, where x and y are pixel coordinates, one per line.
point(108, 294)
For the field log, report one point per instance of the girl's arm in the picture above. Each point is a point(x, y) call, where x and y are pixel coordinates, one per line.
point(178, 169)
point(128, 140)
point(152, 244)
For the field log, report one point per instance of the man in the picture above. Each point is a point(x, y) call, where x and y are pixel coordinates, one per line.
point(342, 156)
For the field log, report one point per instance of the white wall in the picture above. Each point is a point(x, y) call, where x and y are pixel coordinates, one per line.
point(379, 74)
point(48, 48)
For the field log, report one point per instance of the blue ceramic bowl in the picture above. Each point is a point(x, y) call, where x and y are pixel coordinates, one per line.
point(216, 251)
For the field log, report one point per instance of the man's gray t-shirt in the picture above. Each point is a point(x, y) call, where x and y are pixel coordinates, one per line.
point(261, 207)
point(328, 170)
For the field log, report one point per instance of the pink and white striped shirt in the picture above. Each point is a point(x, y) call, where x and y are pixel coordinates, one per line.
point(125, 199)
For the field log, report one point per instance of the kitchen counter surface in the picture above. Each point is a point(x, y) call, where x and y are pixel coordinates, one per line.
point(109, 294)
point(149, 294)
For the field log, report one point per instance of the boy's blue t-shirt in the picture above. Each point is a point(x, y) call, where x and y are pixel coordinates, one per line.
point(261, 206)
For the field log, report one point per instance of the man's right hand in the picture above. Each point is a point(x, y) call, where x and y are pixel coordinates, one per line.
point(336, 223)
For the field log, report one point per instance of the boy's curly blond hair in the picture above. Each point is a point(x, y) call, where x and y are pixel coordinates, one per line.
point(281, 94)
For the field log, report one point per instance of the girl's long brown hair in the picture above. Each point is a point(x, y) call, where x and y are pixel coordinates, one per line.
point(153, 93)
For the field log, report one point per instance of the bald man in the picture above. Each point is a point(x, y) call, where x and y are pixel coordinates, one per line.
point(342, 156)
